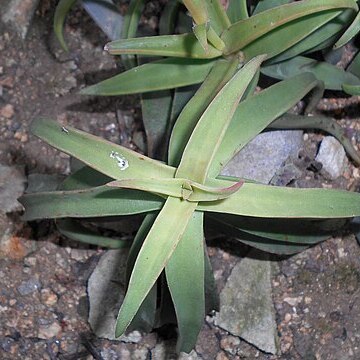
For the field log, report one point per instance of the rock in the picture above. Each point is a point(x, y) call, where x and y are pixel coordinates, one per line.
point(246, 307)
point(19, 14)
point(49, 331)
point(332, 156)
point(12, 185)
point(7, 111)
point(30, 286)
point(106, 293)
point(260, 159)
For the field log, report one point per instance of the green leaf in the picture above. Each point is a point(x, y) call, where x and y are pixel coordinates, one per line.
point(219, 75)
point(154, 255)
point(212, 301)
point(129, 28)
point(211, 128)
point(112, 160)
point(351, 89)
point(332, 76)
point(168, 17)
point(158, 75)
point(351, 31)
point(296, 37)
point(279, 202)
point(95, 202)
point(219, 20)
point(62, 8)
point(180, 188)
point(256, 26)
point(156, 111)
point(185, 278)
point(354, 66)
point(200, 31)
point(144, 319)
point(320, 37)
point(184, 45)
point(197, 10)
point(289, 121)
point(297, 231)
point(255, 113)
point(237, 10)
point(74, 230)
point(263, 5)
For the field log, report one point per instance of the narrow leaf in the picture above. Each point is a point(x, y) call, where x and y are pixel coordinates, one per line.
point(197, 10)
point(255, 113)
point(200, 32)
point(260, 24)
point(351, 31)
point(212, 126)
point(296, 37)
point(280, 202)
point(62, 8)
point(154, 255)
point(332, 76)
point(219, 75)
point(237, 10)
point(180, 188)
point(74, 230)
point(187, 262)
point(263, 5)
point(184, 45)
point(129, 28)
point(158, 75)
point(144, 319)
point(113, 160)
point(95, 202)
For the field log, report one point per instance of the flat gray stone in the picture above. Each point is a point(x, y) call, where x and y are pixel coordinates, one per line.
point(246, 306)
point(332, 156)
point(260, 159)
point(106, 293)
point(19, 14)
point(12, 186)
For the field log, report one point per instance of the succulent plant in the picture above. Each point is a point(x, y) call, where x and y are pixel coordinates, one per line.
point(183, 191)
point(226, 57)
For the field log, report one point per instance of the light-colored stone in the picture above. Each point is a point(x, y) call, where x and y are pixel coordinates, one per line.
point(260, 159)
point(49, 331)
point(106, 293)
point(12, 185)
point(332, 156)
point(19, 14)
point(246, 307)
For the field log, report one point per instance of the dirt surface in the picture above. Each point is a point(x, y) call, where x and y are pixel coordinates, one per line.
point(43, 300)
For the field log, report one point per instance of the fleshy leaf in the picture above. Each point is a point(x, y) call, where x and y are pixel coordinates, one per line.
point(144, 319)
point(184, 45)
point(154, 255)
point(61, 11)
point(255, 113)
point(180, 188)
point(211, 128)
point(187, 262)
point(237, 10)
point(281, 202)
point(219, 75)
point(350, 32)
point(332, 76)
point(74, 230)
point(256, 26)
point(158, 75)
point(111, 159)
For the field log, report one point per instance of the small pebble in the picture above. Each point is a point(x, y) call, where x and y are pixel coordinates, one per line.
point(48, 332)
point(28, 287)
point(7, 111)
point(48, 297)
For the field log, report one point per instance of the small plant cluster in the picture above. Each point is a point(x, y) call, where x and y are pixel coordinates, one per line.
point(226, 52)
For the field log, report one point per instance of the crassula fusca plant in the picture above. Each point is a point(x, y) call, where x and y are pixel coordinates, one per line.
point(226, 57)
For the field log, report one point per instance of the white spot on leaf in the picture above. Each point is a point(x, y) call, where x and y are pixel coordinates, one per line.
point(121, 161)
